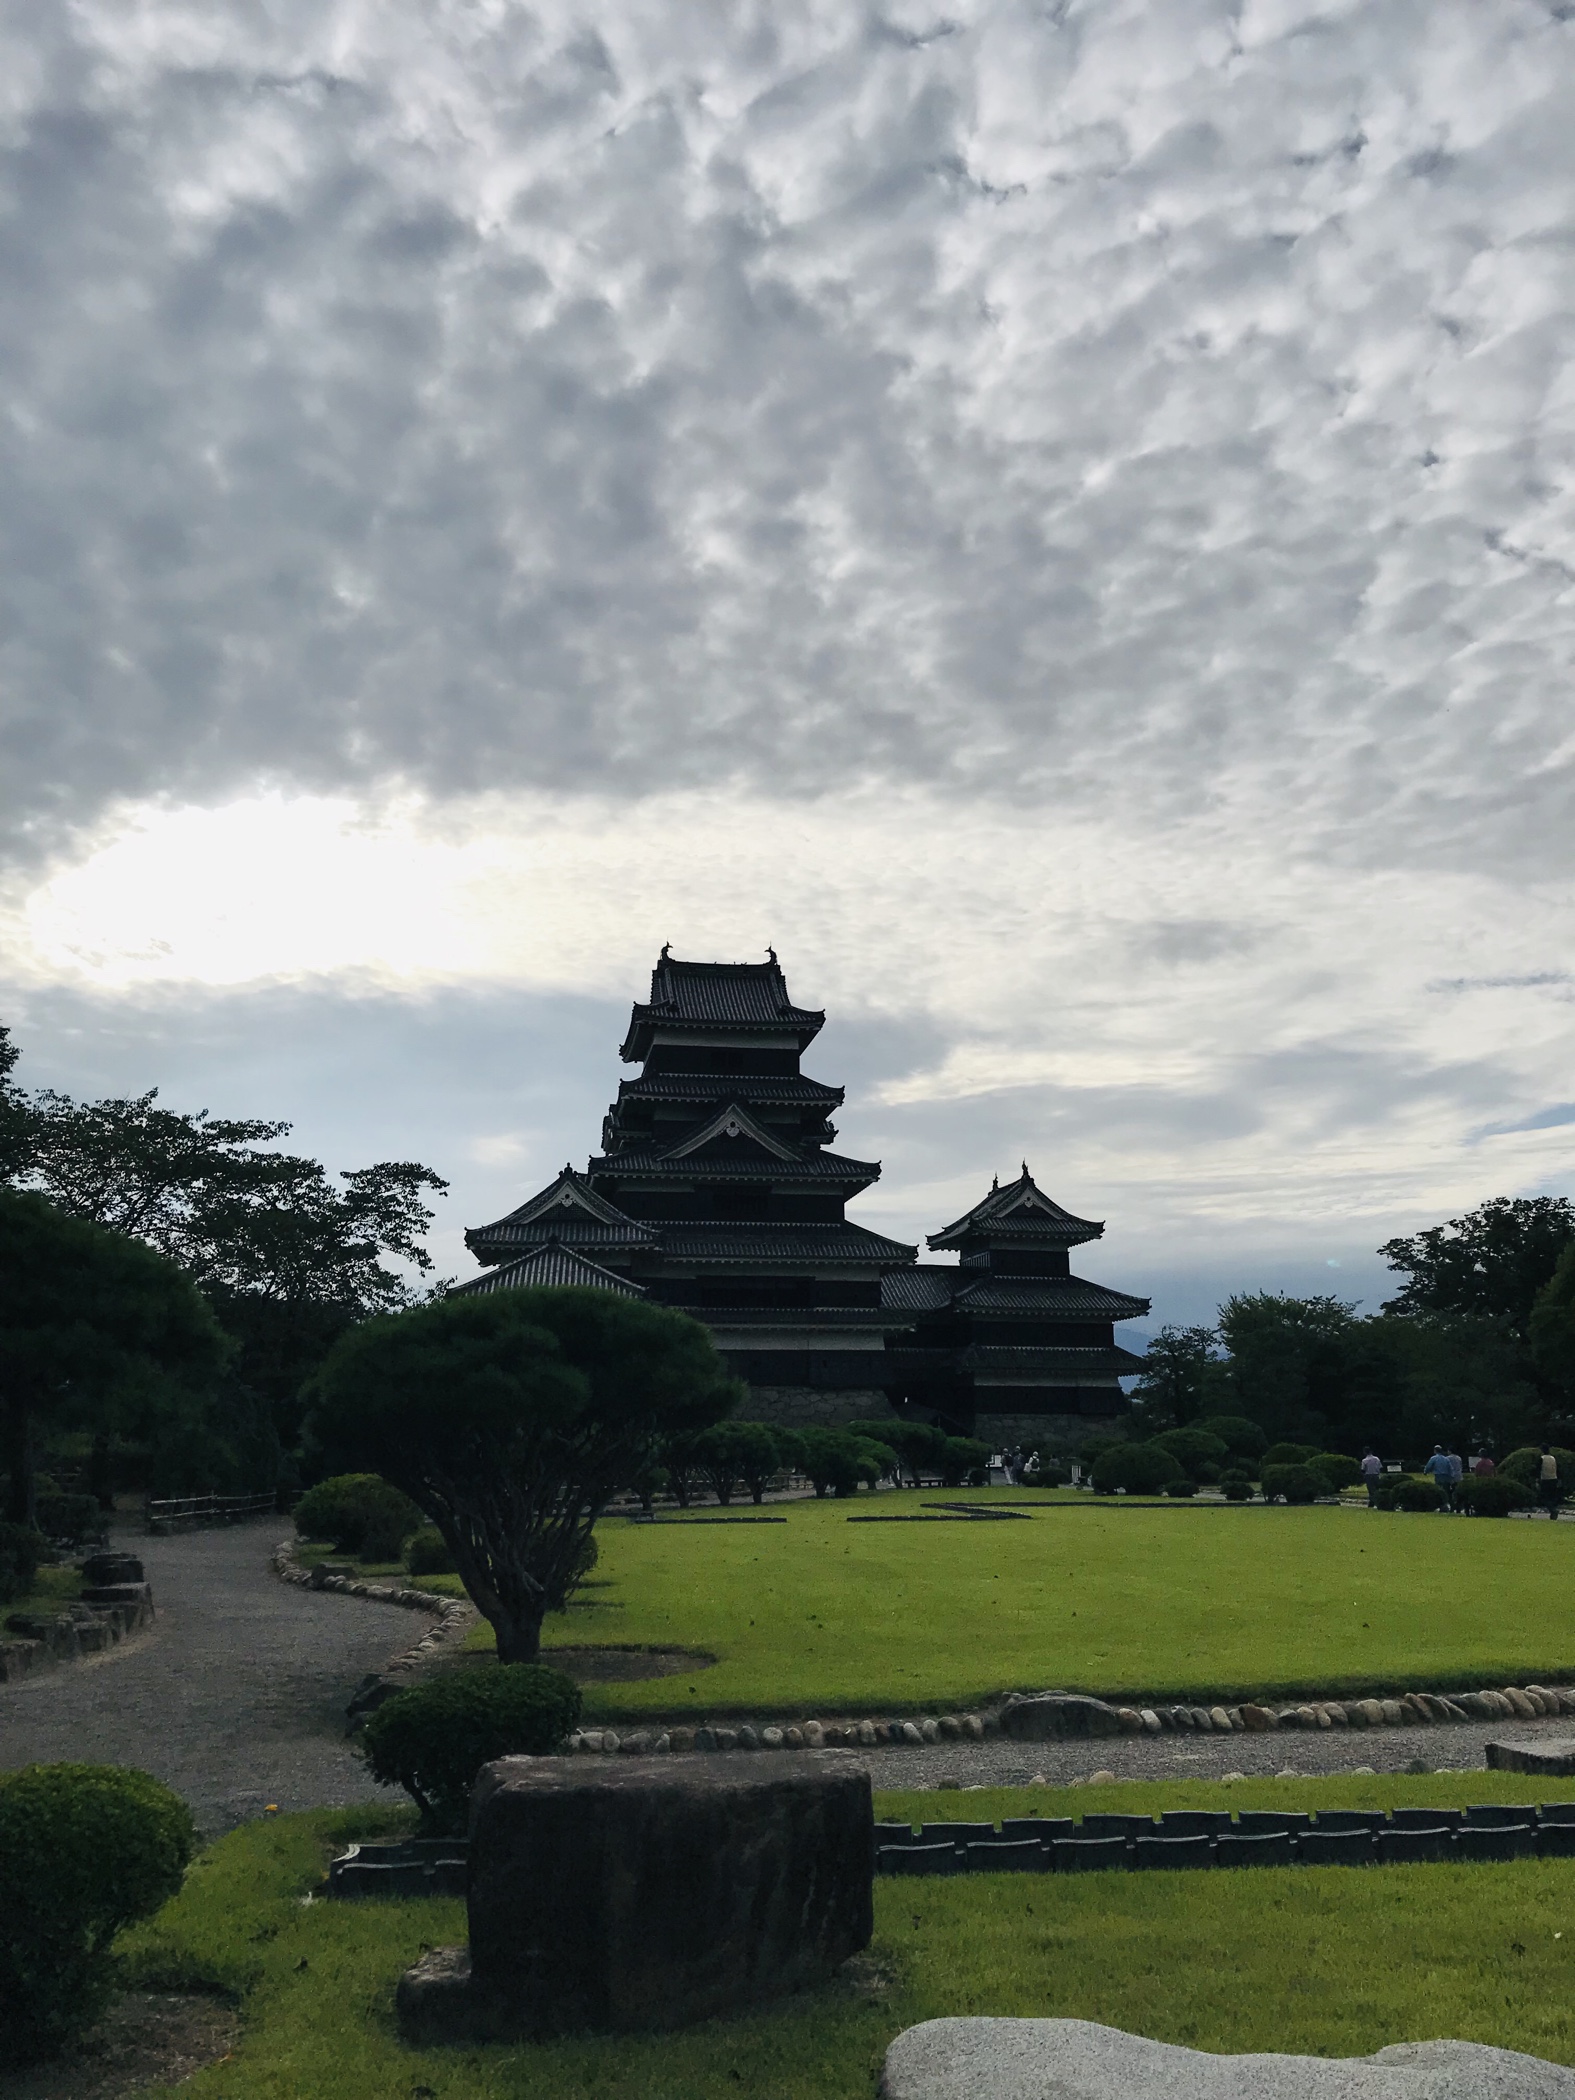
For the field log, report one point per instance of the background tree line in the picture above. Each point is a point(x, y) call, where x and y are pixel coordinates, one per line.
point(245, 1264)
point(1475, 1350)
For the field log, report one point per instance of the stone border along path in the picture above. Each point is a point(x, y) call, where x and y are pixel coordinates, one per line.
point(455, 1615)
point(1414, 1709)
point(235, 1696)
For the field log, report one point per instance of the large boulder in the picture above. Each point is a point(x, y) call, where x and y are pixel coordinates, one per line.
point(646, 1893)
point(1553, 1758)
point(1057, 1717)
point(109, 1568)
point(1077, 2060)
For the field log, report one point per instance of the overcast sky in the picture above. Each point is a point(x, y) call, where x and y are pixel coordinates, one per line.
point(1059, 516)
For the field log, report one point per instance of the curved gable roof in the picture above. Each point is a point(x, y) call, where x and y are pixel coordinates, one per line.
point(1021, 1214)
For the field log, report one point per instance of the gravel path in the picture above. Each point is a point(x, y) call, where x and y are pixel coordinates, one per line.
point(1455, 1746)
point(236, 1695)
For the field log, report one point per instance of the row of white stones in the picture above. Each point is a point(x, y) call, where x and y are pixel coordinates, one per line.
point(796, 1735)
point(1413, 1709)
point(454, 1615)
point(1515, 1702)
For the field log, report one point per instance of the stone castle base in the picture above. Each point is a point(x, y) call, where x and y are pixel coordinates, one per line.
point(807, 1407)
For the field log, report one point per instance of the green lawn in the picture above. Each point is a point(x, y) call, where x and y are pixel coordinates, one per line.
point(1330, 1961)
point(822, 1615)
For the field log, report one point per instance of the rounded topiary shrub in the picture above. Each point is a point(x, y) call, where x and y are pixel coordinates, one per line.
point(1495, 1496)
point(1297, 1484)
point(435, 1738)
point(1241, 1438)
point(1289, 1454)
point(358, 1513)
point(1415, 1494)
point(427, 1553)
point(1142, 1469)
point(1525, 1466)
point(1236, 1487)
point(1194, 1448)
point(84, 1851)
point(1336, 1470)
point(1181, 1490)
point(21, 1549)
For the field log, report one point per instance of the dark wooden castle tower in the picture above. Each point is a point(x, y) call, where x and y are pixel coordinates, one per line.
point(717, 1190)
point(1010, 1341)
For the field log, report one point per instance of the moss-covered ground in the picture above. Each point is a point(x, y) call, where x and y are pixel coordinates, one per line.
point(52, 1590)
point(1330, 1961)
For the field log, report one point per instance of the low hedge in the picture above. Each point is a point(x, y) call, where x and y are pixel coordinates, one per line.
point(84, 1851)
point(435, 1738)
point(1237, 1487)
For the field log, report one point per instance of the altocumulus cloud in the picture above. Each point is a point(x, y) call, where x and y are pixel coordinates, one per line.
point(1135, 440)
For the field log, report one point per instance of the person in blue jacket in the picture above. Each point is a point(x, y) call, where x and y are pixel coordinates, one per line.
point(1441, 1467)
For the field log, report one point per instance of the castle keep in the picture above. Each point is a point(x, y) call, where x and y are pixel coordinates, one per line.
point(717, 1190)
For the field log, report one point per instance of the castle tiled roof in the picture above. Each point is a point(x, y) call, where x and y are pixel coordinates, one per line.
point(554, 1266)
point(733, 997)
point(807, 1244)
point(764, 1089)
point(568, 1209)
point(1059, 1297)
point(918, 1289)
point(1018, 1215)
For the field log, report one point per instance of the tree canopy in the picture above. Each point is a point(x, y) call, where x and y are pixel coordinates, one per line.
point(1490, 1264)
point(287, 1254)
point(91, 1323)
point(512, 1419)
point(1183, 1376)
point(1553, 1327)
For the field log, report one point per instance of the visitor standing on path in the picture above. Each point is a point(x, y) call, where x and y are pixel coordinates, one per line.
point(1372, 1473)
point(1548, 1481)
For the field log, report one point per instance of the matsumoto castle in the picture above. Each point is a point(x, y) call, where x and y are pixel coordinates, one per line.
point(716, 1191)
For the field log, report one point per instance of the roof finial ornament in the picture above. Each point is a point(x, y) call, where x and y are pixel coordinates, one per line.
point(667, 949)
point(995, 1183)
point(771, 952)
point(1026, 1175)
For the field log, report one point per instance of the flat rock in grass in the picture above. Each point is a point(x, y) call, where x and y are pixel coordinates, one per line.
point(645, 1893)
point(1058, 1717)
point(1077, 2060)
point(1555, 1759)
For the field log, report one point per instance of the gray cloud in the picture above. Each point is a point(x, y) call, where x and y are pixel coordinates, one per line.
point(1157, 408)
